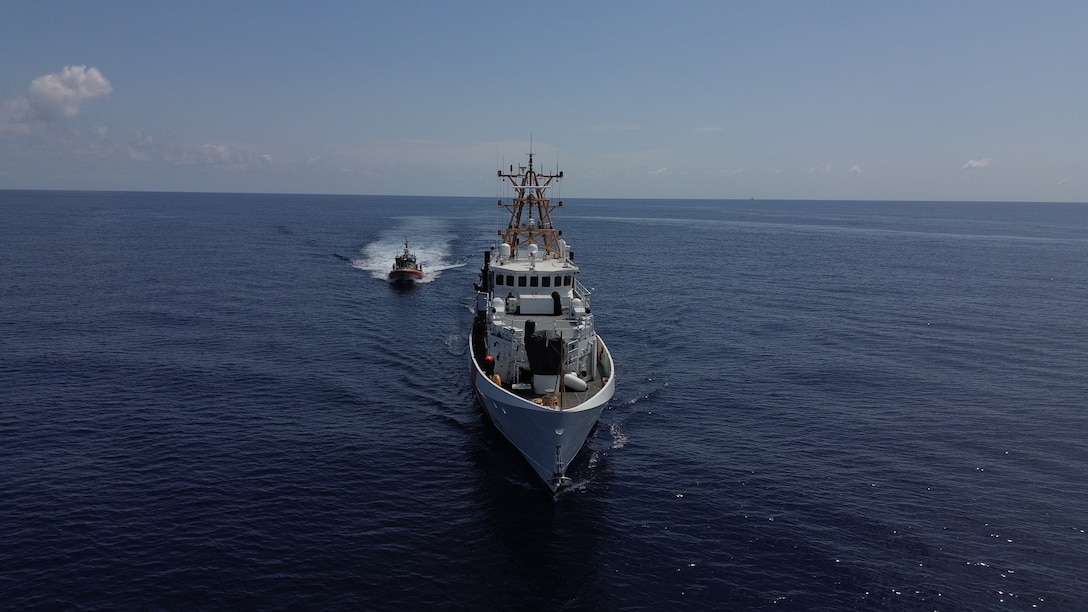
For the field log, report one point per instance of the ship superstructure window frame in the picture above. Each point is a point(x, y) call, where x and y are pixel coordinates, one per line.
point(522, 281)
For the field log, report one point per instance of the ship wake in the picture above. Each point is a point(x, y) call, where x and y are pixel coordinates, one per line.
point(427, 237)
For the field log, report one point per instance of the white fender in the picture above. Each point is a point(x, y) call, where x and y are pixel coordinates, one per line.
point(574, 383)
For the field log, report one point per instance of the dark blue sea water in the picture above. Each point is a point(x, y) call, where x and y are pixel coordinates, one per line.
point(217, 401)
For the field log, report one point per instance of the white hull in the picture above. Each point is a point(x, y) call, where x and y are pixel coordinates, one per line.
point(539, 369)
point(538, 431)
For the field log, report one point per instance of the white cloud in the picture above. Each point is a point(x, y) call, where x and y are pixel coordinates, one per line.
point(15, 115)
point(977, 163)
point(140, 147)
point(855, 169)
point(219, 155)
point(824, 169)
point(733, 171)
point(53, 97)
point(60, 95)
point(659, 172)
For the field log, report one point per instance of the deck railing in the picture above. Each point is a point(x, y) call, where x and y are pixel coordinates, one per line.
point(582, 291)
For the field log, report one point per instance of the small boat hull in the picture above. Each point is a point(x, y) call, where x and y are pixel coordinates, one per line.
point(406, 269)
point(405, 276)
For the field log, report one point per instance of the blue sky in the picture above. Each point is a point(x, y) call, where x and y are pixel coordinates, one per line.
point(973, 100)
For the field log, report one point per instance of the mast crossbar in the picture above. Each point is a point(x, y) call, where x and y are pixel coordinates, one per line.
point(530, 210)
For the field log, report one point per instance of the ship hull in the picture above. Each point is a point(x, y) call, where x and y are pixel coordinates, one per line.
point(405, 276)
point(536, 431)
point(540, 371)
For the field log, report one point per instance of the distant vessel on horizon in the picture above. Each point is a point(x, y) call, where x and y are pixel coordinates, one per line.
point(405, 267)
point(540, 371)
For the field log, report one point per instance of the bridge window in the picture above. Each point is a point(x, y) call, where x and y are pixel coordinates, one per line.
point(521, 281)
point(546, 281)
point(510, 279)
point(534, 281)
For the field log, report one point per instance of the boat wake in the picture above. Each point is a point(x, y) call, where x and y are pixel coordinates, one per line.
point(619, 435)
point(456, 343)
point(428, 238)
point(606, 437)
point(611, 433)
point(647, 395)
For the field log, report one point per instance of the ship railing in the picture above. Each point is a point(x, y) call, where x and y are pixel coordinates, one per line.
point(574, 355)
point(582, 291)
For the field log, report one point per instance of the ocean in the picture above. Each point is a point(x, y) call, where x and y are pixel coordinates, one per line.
point(217, 401)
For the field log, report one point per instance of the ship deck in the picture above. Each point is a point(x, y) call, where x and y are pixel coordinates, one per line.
point(563, 398)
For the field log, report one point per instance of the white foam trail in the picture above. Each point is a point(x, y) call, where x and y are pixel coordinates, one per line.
point(619, 436)
point(427, 237)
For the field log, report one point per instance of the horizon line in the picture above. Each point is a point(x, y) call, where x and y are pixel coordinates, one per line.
point(648, 199)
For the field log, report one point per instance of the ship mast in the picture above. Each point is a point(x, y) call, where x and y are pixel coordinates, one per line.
point(530, 210)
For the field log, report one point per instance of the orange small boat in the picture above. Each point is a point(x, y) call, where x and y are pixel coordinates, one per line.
point(405, 267)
